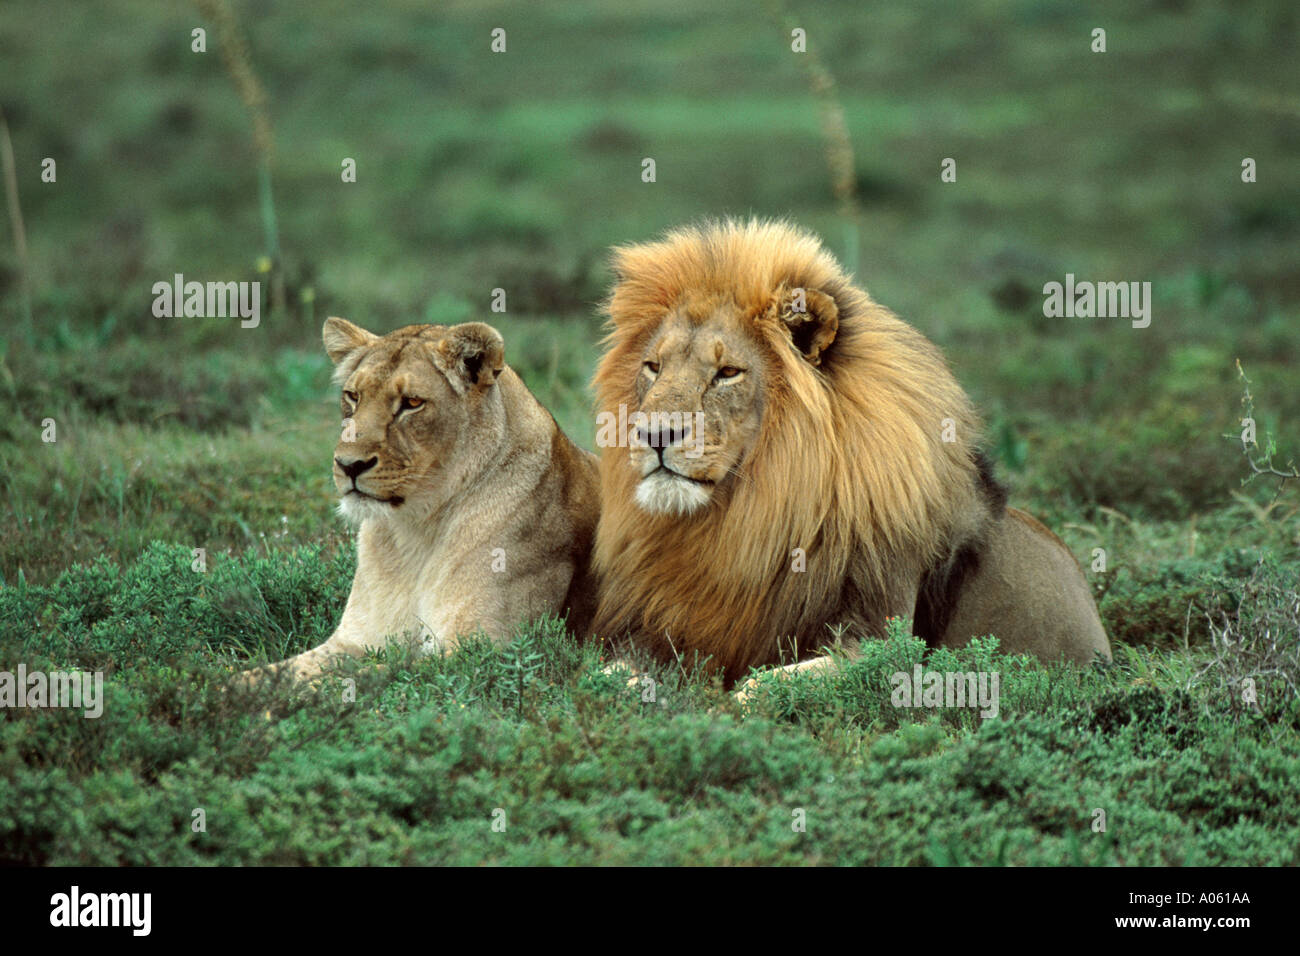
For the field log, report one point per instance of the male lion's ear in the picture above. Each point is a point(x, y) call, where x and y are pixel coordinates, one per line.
point(812, 319)
point(342, 338)
point(471, 354)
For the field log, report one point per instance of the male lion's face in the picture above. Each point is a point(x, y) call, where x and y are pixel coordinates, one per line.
point(699, 391)
point(409, 401)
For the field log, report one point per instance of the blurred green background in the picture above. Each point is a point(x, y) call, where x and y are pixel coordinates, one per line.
point(478, 170)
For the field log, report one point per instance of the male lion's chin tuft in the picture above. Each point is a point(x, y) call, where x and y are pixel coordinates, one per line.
point(664, 493)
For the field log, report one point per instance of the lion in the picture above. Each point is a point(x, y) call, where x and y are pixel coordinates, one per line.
point(798, 463)
point(475, 511)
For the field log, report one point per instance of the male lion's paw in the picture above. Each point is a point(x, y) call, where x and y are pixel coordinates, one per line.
point(743, 697)
point(622, 667)
point(747, 692)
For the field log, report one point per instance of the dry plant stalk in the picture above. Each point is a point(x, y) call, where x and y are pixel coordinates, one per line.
point(836, 143)
point(1257, 641)
point(16, 217)
point(239, 64)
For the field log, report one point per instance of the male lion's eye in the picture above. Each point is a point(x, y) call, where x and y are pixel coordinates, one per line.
point(729, 371)
point(408, 402)
point(653, 367)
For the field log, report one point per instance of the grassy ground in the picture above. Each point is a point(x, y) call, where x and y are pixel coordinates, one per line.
point(419, 762)
point(479, 171)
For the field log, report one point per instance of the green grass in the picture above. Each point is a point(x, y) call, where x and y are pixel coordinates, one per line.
point(415, 765)
point(478, 172)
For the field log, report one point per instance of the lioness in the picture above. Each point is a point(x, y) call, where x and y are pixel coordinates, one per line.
point(803, 461)
point(476, 512)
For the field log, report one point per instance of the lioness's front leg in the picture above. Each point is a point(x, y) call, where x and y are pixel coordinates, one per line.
point(470, 602)
point(309, 665)
point(370, 618)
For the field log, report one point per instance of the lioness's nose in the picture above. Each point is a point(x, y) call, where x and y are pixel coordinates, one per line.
point(356, 466)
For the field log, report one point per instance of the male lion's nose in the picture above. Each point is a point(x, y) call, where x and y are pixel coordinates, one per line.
point(662, 436)
point(356, 466)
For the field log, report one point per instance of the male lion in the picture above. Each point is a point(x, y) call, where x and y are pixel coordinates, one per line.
point(475, 511)
point(803, 461)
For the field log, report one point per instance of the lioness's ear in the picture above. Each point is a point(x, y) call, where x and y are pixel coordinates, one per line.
point(812, 318)
point(342, 338)
point(471, 354)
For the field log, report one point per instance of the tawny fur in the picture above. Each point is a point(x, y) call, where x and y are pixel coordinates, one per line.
point(849, 463)
point(478, 512)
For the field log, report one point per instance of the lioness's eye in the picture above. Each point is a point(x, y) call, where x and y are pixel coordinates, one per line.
point(351, 397)
point(729, 371)
point(653, 367)
point(408, 402)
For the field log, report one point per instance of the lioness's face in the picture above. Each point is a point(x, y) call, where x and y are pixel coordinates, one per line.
point(408, 402)
point(699, 390)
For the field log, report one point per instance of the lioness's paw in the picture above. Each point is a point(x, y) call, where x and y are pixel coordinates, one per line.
point(248, 680)
point(282, 675)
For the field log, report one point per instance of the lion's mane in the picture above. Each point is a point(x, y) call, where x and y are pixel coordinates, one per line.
point(850, 464)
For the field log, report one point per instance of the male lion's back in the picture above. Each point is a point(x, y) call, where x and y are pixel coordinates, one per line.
point(1029, 592)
